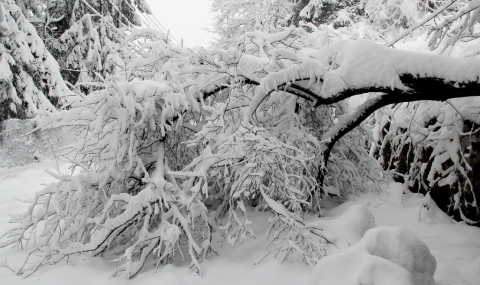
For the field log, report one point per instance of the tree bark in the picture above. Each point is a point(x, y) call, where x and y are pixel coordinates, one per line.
point(433, 89)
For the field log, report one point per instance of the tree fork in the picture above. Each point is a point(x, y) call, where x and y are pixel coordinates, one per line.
point(421, 88)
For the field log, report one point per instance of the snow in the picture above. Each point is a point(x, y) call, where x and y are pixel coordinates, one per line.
point(350, 65)
point(382, 238)
point(348, 223)
point(433, 214)
point(386, 236)
point(385, 255)
point(235, 265)
point(455, 245)
point(363, 63)
point(30, 52)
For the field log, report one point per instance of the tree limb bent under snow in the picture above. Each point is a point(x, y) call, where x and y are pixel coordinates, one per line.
point(433, 89)
point(349, 68)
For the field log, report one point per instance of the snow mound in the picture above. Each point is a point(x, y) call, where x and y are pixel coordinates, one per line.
point(349, 226)
point(395, 188)
point(472, 271)
point(402, 248)
point(395, 193)
point(385, 255)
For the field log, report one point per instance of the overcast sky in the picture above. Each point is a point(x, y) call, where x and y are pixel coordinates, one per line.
point(186, 19)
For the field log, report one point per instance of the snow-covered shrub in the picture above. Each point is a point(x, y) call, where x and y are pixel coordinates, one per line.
point(123, 201)
point(432, 147)
point(250, 146)
point(248, 166)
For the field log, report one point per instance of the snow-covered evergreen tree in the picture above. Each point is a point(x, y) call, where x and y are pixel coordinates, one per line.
point(82, 34)
point(30, 78)
point(338, 13)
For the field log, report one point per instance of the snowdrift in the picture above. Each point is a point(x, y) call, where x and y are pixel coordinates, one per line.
point(385, 255)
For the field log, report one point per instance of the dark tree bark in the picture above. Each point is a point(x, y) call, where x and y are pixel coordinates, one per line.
point(433, 89)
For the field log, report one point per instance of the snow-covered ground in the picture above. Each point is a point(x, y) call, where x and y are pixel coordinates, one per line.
point(455, 246)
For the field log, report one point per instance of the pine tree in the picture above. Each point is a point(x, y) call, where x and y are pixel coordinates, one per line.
point(30, 78)
point(338, 13)
point(82, 34)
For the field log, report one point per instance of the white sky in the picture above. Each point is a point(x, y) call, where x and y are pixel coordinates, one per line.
point(186, 19)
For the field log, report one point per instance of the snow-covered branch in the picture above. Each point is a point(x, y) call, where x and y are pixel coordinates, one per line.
point(246, 138)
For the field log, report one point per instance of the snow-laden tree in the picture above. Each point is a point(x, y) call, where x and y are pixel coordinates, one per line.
point(431, 147)
point(391, 17)
point(345, 173)
point(239, 164)
point(263, 123)
point(82, 34)
point(240, 110)
point(235, 18)
point(446, 22)
point(338, 13)
point(55, 17)
point(79, 34)
point(30, 78)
